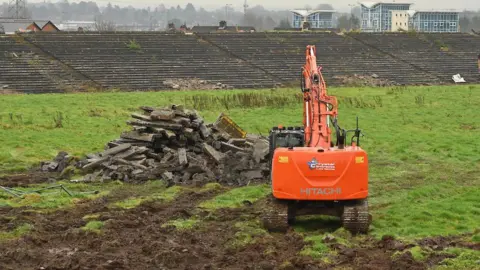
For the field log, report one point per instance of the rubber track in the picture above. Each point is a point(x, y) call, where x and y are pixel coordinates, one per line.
point(355, 218)
point(275, 216)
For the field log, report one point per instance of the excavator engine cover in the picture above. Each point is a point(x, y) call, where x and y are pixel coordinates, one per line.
point(306, 173)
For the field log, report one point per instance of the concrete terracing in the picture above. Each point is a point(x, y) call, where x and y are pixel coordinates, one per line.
point(59, 62)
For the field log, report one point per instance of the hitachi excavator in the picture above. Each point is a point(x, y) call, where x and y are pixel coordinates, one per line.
point(311, 175)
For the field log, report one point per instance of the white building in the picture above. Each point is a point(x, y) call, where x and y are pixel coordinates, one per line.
point(316, 18)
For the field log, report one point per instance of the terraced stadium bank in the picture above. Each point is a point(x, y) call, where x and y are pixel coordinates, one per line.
point(72, 61)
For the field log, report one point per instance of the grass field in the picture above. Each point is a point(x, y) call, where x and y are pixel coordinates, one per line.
point(421, 141)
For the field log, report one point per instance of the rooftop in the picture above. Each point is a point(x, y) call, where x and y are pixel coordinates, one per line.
point(304, 12)
point(413, 12)
point(372, 4)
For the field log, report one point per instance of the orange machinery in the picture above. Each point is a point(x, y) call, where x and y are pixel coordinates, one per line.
point(309, 173)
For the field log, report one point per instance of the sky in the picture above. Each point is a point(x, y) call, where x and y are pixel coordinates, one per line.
point(341, 5)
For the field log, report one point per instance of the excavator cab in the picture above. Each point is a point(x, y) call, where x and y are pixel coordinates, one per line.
point(286, 138)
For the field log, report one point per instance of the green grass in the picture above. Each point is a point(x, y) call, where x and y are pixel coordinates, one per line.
point(183, 224)
point(316, 249)
point(466, 259)
point(417, 252)
point(94, 226)
point(247, 232)
point(17, 232)
point(56, 198)
point(421, 142)
point(234, 198)
point(152, 191)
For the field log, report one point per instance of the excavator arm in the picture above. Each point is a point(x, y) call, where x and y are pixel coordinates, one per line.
point(319, 108)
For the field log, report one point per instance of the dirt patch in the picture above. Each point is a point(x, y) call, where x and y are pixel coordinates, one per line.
point(360, 80)
point(373, 255)
point(135, 239)
point(194, 84)
point(26, 179)
point(443, 242)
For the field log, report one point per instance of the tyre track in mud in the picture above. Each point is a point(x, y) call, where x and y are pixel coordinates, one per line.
point(57, 243)
point(135, 239)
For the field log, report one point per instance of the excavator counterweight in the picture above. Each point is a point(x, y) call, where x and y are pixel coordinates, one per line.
point(309, 173)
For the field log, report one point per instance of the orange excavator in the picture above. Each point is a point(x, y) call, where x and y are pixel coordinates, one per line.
point(311, 175)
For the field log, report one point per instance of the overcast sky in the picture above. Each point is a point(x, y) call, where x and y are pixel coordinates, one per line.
point(341, 5)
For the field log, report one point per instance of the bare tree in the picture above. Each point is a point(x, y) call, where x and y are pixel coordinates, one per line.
point(104, 25)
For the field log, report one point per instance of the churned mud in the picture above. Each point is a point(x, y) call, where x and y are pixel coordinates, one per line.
point(138, 239)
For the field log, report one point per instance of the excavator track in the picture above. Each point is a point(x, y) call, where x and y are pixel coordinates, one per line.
point(355, 217)
point(275, 215)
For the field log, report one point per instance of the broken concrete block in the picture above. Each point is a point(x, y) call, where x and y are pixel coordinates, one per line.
point(182, 156)
point(204, 131)
point(230, 147)
point(137, 172)
point(162, 115)
point(261, 149)
point(158, 124)
point(186, 176)
point(182, 121)
point(253, 174)
point(116, 150)
point(217, 145)
point(217, 156)
point(167, 176)
point(94, 164)
point(167, 157)
point(135, 135)
point(141, 117)
point(170, 134)
point(158, 130)
point(237, 142)
point(129, 153)
point(147, 109)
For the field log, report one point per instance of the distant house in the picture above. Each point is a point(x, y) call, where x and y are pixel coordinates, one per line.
point(435, 21)
point(395, 16)
point(222, 28)
point(50, 27)
point(75, 25)
point(12, 26)
point(314, 18)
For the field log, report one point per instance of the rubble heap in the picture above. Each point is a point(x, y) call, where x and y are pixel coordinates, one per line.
point(176, 145)
point(194, 84)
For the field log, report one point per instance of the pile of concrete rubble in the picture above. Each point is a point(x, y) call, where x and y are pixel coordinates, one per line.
point(176, 145)
point(194, 84)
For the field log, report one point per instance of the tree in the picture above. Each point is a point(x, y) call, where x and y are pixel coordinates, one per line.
point(176, 22)
point(284, 23)
point(465, 24)
point(102, 25)
point(475, 24)
point(354, 22)
point(269, 23)
point(343, 22)
point(325, 7)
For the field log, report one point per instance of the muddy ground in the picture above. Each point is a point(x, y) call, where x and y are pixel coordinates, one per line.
point(136, 239)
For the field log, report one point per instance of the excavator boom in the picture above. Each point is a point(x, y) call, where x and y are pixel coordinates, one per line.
point(319, 108)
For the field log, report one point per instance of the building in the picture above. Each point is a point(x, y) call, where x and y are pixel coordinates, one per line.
point(50, 27)
point(377, 16)
point(315, 18)
point(222, 27)
point(434, 21)
point(393, 17)
point(75, 25)
point(12, 26)
point(400, 20)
